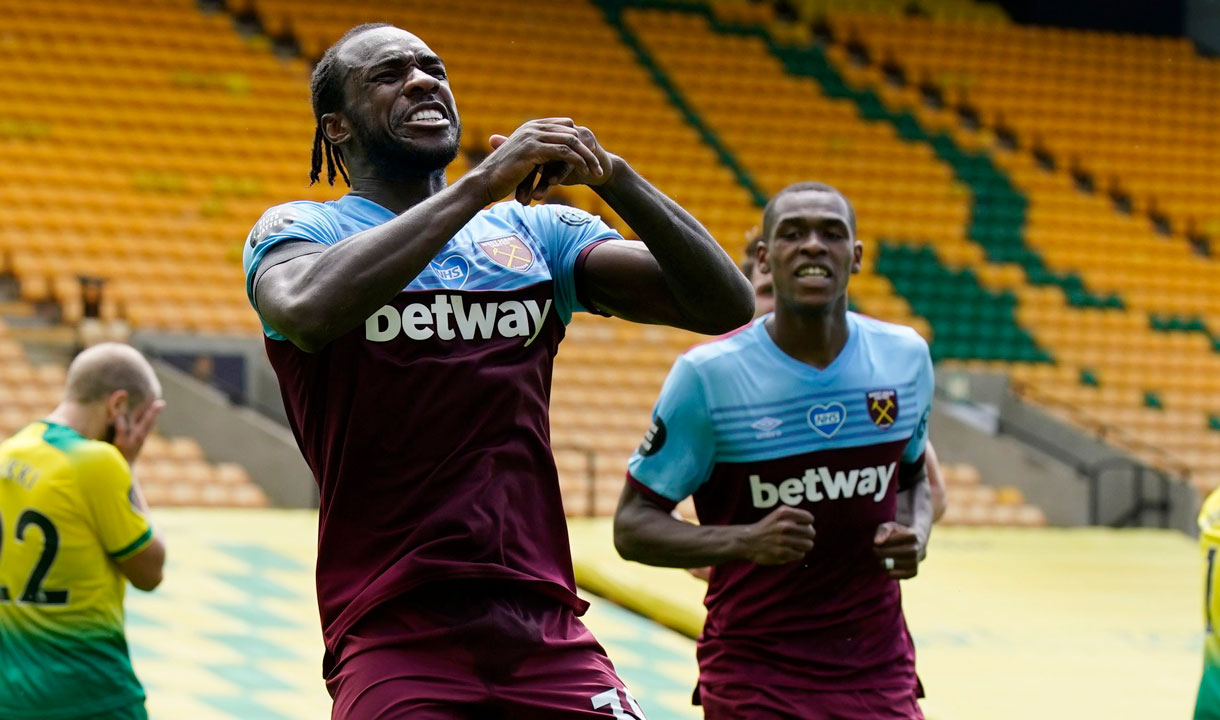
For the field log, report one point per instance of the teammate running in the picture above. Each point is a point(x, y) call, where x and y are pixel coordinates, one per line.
point(72, 525)
point(812, 417)
point(413, 333)
point(764, 302)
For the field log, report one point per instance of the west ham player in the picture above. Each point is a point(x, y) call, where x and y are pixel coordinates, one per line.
point(812, 417)
point(764, 302)
point(413, 333)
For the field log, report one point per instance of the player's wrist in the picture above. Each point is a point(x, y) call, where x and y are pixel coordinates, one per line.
point(614, 167)
point(741, 542)
point(477, 187)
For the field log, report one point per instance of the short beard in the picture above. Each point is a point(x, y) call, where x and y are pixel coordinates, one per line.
point(393, 160)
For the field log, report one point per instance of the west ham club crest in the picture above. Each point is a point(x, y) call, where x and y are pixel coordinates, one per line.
point(508, 251)
point(882, 407)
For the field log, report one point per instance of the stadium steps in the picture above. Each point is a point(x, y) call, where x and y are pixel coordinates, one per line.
point(1130, 113)
point(608, 372)
point(1069, 322)
point(969, 320)
point(172, 471)
point(1146, 371)
point(192, 133)
point(776, 158)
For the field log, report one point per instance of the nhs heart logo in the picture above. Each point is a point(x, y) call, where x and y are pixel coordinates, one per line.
point(452, 271)
point(826, 419)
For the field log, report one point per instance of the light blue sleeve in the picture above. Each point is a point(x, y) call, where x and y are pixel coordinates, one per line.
point(679, 449)
point(924, 388)
point(563, 233)
point(292, 221)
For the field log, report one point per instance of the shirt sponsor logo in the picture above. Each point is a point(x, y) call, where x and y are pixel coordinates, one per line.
point(509, 252)
point(882, 407)
point(819, 484)
point(654, 438)
point(767, 428)
point(826, 419)
point(449, 317)
point(452, 271)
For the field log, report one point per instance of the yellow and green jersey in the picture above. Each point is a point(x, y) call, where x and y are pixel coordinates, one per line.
point(1207, 706)
point(66, 517)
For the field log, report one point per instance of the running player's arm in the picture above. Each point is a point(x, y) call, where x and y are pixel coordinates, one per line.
point(916, 509)
point(905, 541)
point(936, 483)
point(120, 516)
point(678, 276)
point(313, 297)
point(673, 461)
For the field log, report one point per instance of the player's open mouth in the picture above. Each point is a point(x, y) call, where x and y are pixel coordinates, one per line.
point(814, 271)
point(431, 115)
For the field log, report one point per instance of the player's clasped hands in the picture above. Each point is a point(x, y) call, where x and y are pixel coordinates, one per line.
point(897, 549)
point(783, 536)
point(542, 154)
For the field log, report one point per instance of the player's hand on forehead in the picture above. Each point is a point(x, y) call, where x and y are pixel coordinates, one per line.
point(541, 154)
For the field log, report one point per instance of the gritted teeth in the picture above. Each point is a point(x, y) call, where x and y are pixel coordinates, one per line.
point(812, 271)
point(426, 114)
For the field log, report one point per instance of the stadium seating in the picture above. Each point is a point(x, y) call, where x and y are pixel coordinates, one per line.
point(1131, 110)
point(972, 503)
point(172, 471)
point(1089, 310)
point(142, 174)
point(198, 130)
point(1143, 373)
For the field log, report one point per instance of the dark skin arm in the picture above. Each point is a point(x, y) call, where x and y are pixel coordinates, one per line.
point(647, 533)
point(906, 539)
point(936, 483)
point(312, 299)
point(678, 276)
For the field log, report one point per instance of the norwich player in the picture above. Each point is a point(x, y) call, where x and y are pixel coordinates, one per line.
point(72, 525)
point(1207, 706)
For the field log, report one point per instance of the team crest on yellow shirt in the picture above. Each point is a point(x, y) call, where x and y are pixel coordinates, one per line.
point(882, 407)
point(508, 251)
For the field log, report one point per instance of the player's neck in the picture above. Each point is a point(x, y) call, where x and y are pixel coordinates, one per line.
point(84, 420)
point(813, 336)
point(400, 194)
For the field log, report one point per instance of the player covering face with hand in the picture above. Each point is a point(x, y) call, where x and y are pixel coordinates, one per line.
point(74, 529)
point(413, 333)
point(801, 438)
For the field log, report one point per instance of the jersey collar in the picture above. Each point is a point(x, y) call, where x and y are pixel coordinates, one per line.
point(364, 209)
point(843, 359)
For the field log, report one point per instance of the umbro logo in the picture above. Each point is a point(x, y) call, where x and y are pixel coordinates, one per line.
point(767, 427)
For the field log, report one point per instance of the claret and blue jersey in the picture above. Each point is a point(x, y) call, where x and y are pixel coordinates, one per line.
point(744, 428)
point(507, 247)
point(427, 426)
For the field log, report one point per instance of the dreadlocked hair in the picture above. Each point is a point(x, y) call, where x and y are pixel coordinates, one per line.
point(326, 96)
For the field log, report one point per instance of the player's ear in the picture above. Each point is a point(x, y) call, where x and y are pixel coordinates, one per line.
point(116, 404)
point(857, 252)
point(760, 256)
point(336, 128)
